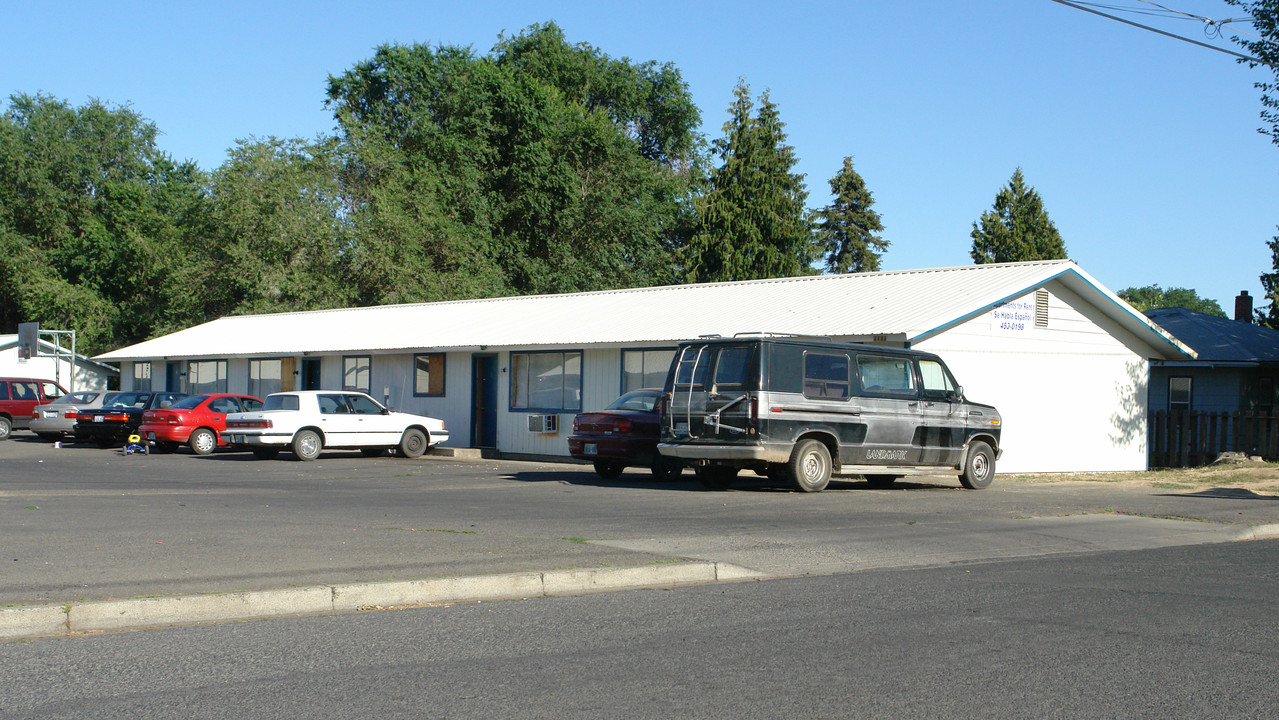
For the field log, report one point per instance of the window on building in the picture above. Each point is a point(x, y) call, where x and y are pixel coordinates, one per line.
point(265, 377)
point(546, 381)
point(428, 374)
point(1179, 392)
point(826, 375)
point(645, 368)
point(206, 376)
point(141, 376)
point(1266, 395)
point(357, 373)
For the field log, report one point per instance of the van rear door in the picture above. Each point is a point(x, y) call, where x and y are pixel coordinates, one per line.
point(710, 391)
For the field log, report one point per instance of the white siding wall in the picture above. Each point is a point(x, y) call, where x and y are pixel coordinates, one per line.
point(87, 377)
point(1072, 395)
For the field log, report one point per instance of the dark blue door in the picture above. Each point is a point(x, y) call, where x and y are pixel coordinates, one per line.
point(484, 401)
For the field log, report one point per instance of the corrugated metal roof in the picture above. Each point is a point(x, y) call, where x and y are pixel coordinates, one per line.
point(910, 304)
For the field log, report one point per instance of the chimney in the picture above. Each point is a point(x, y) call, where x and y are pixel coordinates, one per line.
point(1243, 307)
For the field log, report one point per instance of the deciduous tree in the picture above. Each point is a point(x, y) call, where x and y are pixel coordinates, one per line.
point(1151, 297)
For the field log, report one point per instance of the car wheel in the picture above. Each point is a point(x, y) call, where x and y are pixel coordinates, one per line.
point(979, 468)
point(372, 452)
point(667, 468)
point(881, 481)
point(307, 445)
point(809, 466)
point(6, 427)
point(716, 477)
point(203, 441)
point(609, 470)
point(413, 443)
point(265, 453)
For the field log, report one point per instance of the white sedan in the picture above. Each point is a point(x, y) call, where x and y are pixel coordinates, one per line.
point(307, 421)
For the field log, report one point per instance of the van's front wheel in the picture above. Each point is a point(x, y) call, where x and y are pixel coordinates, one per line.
point(979, 468)
point(809, 466)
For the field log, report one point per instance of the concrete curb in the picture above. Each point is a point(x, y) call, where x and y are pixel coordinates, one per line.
point(21, 623)
point(1259, 532)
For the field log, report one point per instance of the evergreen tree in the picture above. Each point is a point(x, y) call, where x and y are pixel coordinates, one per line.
point(846, 230)
point(1017, 229)
point(752, 218)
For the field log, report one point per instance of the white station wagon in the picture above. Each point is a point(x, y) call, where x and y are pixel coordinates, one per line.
point(307, 421)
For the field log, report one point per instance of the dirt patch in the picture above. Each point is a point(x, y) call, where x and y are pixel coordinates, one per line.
point(1258, 477)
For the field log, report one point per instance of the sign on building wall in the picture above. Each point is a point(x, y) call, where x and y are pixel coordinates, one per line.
point(1013, 316)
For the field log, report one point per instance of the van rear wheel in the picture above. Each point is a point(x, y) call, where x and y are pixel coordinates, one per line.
point(979, 467)
point(809, 466)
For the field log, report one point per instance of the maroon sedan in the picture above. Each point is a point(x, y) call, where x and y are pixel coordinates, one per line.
point(623, 435)
point(198, 421)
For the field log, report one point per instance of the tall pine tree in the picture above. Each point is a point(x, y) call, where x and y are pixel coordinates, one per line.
point(846, 230)
point(752, 218)
point(1017, 228)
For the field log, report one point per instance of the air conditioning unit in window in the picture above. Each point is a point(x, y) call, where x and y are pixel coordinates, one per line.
point(544, 424)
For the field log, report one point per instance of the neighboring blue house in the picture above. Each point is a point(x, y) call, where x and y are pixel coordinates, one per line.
point(1237, 368)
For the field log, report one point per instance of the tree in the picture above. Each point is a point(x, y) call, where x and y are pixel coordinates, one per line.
point(1017, 229)
point(543, 167)
point(846, 229)
point(752, 218)
point(1265, 48)
point(1270, 285)
point(1152, 297)
point(95, 223)
point(279, 236)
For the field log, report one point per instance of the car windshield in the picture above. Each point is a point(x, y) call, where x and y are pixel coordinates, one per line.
point(125, 399)
point(640, 400)
point(187, 403)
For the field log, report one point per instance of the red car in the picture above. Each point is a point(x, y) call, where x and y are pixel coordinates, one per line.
point(198, 421)
point(624, 435)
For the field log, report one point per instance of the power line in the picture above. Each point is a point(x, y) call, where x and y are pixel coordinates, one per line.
point(1249, 58)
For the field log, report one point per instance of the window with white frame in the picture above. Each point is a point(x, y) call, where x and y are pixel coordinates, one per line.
point(428, 374)
point(265, 377)
point(546, 381)
point(141, 376)
point(357, 373)
point(645, 368)
point(1179, 391)
point(206, 376)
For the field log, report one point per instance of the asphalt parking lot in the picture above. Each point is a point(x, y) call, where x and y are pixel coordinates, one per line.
point(81, 524)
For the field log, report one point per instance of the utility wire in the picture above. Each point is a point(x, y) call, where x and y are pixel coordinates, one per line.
point(1249, 58)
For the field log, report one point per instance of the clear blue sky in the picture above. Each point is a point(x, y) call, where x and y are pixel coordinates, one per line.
point(1143, 148)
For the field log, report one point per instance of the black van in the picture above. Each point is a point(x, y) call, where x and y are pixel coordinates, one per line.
point(796, 410)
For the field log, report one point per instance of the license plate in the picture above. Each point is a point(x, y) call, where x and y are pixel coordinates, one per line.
point(681, 428)
point(589, 449)
point(150, 436)
point(97, 418)
point(51, 413)
point(237, 439)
